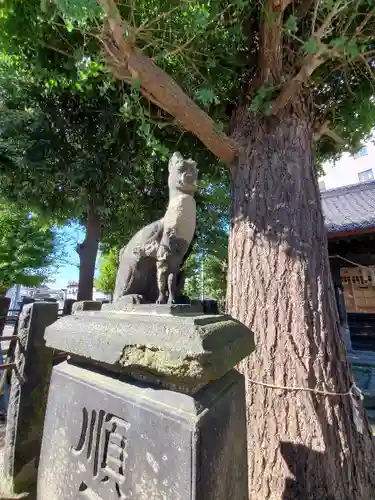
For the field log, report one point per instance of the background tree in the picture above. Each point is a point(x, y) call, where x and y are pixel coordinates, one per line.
point(79, 145)
point(207, 277)
point(106, 280)
point(282, 75)
point(206, 267)
point(27, 248)
point(71, 154)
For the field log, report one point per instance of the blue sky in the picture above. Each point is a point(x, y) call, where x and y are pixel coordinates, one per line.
point(68, 270)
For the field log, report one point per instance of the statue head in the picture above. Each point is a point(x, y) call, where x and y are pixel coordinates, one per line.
point(183, 174)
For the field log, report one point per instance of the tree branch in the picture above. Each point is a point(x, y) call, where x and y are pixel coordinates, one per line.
point(293, 87)
point(271, 45)
point(310, 63)
point(325, 130)
point(126, 60)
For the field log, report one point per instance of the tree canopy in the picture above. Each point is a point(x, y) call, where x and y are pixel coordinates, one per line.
point(27, 248)
point(324, 49)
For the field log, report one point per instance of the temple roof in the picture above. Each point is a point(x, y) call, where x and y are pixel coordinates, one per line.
point(349, 208)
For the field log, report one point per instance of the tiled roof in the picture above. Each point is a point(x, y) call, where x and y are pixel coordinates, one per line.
point(350, 207)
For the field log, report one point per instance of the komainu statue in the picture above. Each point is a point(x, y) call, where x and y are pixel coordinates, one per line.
point(150, 264)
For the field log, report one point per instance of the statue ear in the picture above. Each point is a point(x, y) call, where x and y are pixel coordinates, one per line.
point(175, 159)
point(191, 163)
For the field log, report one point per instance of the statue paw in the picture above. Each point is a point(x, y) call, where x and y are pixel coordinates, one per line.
point(171, 300)
point(162, 299)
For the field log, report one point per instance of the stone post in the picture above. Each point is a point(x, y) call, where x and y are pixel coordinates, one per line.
point(22, 303)
point(340, 301)
point(148, 406)
point(68, 305)
point(4, 308)
point(28, 395)
point(86, 305)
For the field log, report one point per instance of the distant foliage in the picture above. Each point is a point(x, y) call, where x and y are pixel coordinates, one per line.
point(206, 267)
point(27, 248)
point(207, 277)
point(107, 272)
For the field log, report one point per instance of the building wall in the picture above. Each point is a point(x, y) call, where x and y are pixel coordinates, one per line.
point(72, 290)
point(348, 169)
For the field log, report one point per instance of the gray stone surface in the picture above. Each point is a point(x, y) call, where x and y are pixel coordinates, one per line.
point(149, 265)
point(179, 350)
point(86, 305)
point(28, 395)
point(4, 307)
point(110, 439)
point(125, 305)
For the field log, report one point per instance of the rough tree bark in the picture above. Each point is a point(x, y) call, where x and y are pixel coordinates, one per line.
point(87, 251)
point(302, 445)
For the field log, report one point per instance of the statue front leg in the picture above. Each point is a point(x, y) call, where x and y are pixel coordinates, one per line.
point(172, 286)
point(162, 277)
point(174, 266)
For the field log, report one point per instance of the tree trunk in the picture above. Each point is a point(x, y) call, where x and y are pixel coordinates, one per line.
point(87, 252)
point(302, 445)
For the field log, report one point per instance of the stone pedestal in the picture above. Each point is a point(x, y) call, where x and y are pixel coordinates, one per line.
point(112, 439)
point(147, 407)
point(4, 308)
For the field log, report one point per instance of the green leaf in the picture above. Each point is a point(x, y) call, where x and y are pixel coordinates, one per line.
point(136, 84)
point(207, 96)
point(291, 24)
point(219, 127)
point(338, 42)
point(310, 46)
point(352, 49)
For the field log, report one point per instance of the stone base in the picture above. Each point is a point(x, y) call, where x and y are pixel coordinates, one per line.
point(175, 346)
point(126, 305)
point(110, 439)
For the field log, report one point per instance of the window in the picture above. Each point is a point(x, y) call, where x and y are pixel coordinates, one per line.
point(322, 186)
point(362, 152)
point(366, 175)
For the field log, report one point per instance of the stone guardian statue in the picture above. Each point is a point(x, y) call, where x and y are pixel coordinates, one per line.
point(149, 265)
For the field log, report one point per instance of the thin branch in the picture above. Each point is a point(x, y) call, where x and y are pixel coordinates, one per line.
point(363, 24)
point(325, 130)
point(368, 68)
point(347, 82)
point(310, 63)
point(188, 42)
point(303, 8)
point(325, 26)
point(125, 59)
point(162, 15)
point(291, 88)
point(316, 7)
point(56, 49)
point(335, 137)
